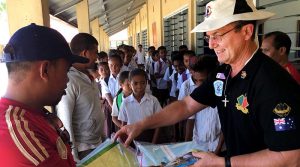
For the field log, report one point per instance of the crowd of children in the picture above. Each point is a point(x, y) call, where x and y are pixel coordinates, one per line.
point(136, 84)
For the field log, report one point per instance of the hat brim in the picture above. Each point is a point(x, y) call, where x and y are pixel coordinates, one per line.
point(214, 24)
point(78, 59)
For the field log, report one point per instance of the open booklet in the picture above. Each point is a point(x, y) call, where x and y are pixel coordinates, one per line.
point(112, 154)
point(171, 155)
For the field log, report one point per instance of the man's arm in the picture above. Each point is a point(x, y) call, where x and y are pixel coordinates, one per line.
point(169, 115)
point(264, 158)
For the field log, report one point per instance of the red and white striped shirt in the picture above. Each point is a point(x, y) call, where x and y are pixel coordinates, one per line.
point(27, 139)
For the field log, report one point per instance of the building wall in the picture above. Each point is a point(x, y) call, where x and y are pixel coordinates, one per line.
point(155, 23)
point(171, 6)
point(144, 18)
point(152, 14)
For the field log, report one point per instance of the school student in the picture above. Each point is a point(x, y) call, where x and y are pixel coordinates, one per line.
point(124, 92)
point(139, 105)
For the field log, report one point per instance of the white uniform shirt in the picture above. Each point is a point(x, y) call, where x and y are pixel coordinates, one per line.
point(115, 110)
point(112, 87)
point(174, 83)
point(140, 57)
point(131, 66)
point(207, 128)
point(160, 67)
point(132, 111)
point(180, 79)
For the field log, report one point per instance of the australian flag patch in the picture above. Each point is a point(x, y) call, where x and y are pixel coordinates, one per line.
point(284, 124)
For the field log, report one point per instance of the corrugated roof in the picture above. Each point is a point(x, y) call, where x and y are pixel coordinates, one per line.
point(113, 15)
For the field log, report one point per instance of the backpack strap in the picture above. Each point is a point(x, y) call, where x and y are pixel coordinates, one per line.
point(119, 100)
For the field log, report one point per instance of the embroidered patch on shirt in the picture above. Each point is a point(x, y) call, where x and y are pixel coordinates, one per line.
point(282, 109)
point(284, 124)
point(218, 85)
point(220, 76)
point(242, 104)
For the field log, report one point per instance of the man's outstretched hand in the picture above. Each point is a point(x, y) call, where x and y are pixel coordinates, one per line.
point(128, 132)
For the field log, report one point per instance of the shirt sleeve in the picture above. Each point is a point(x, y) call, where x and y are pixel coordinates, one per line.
point(204, 93)
point(278, 114)
point(167, 76)
point(157, 106)
point(182, 91)
point(115, 111)
point(104, 88)
point(123, 114)
point(156, 67)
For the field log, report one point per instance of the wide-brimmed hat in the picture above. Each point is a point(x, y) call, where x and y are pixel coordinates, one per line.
point(222, 12)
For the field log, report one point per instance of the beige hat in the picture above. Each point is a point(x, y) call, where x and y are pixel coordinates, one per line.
point(222, 12)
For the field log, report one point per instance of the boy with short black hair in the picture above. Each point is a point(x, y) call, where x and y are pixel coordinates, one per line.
point(102, 56)
point(160, 68)
point(139, 105)
point(109, 88)
point(124, 91)
point(204, 127)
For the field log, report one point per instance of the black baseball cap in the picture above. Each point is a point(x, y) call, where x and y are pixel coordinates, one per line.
point(34, 42)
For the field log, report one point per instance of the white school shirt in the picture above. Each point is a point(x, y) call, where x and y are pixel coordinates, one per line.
point(207, 127)
point(140, 56)
point(148, 63)
point(132, 111)
point(174, 84)
point(151, 72)
point(131, 66)
point(112, 87)
point(167, 73)
point(115, 110)
point(160, 82)
point(180, 80)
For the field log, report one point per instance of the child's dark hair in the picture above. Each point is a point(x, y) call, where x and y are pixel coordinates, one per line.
point(138, 72)
point(154, 53)
point(205, 64)
point(115, 56)
point(190, 53)
point(151, 47)
point(82, 41)
point(102, 55)
point(176, 55)
point(162, 48)
point(102, 64)
point(123, 76)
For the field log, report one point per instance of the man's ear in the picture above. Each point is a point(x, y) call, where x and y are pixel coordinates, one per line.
point(44, 70)
point(248, 30)
point(282, 50)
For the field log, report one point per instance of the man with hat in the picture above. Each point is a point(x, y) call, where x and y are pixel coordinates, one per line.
point(37, 60)
point(258, 102)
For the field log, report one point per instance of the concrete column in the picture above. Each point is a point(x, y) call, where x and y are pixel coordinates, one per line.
point(23, 12)
point(83, 19)
point(96, 31)
point(191, 24)
point(101, 39)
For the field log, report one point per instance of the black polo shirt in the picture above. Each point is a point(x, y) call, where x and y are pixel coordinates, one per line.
point(263, 109)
